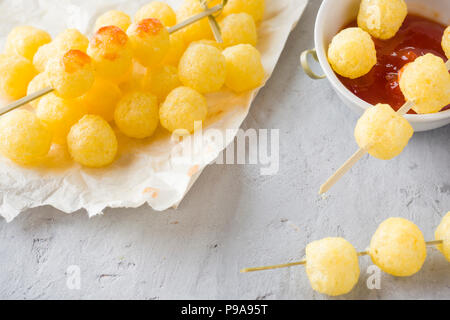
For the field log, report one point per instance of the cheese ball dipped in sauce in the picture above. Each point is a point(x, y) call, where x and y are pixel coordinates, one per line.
point(157, 10)
point(182, 108)
point(443, 233)
point(25, 41)
point(426, 81)
point(110, 50)
point(137, 114)
point(238, 28)
point(39, 82)
point(92, 142)
point(244, 68)
point(113, 18)
point(383, 132)
point(198, 30)
point(382, 18)
point(352, 53)
point(161, 81)
point(102, 99)
point(58, 115)
point(16, 73)
point(332, 266)
point(24, 139)
point(203, 68)
point(446, 42)
point(255, 8)
point(150, 42)
point(71, 76)
point(398, 247)
point(176, 50)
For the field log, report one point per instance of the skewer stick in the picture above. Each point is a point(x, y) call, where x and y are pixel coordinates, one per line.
point(42, 92)
point(361, 152)
point(303, 262)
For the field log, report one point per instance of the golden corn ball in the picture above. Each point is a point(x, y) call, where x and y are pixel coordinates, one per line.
point(16, 73)
point(352, 53)
point(150, 41)
point(255, 8)
point(25, 41)
point(113, 18)
point(58, 115)
point(176, 50)
point(238, 28)
point(332, 266)
point(161, 81)
point(382, 18)
point(71, 76)
point(198, 30)
point(92, 142)
point(443, 233)
point(398, 247)
point(102, 99)
point(446, 42)
point(426, 81)
point(110, 50)
point(244, 68)
point(383, 132)
point(137, 115)
point(24, 139)
point(182, 108)
point(203, 68)
point(157, 10)
point(39, 82)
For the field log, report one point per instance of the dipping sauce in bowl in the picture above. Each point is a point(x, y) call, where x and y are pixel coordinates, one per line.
point(417, 37)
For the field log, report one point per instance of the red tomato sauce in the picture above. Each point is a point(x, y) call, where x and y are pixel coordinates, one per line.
point(416, 37)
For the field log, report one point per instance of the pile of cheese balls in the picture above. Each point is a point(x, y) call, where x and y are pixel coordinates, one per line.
point(426, 81)
point(397, 248)
point(99, 84)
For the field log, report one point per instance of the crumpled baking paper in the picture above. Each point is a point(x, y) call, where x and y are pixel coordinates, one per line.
point(158, 171)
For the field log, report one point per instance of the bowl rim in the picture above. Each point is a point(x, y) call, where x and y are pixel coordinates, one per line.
point(337, 84)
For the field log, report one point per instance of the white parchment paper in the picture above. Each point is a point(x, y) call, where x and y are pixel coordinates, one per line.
point(156, 171)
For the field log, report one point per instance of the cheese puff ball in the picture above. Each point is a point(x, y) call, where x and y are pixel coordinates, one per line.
point(446, 42)
point(150, 41)
point(238, 28)
point(102, 99)
point(398, 247)
point(24, 139)
point(92, 142)
point(383, 132)
point(39, 82)
point(244, 68)
point(426, 81)
point(161, 81)
point(58, 115)
point(16, 73)
point(213, 43)
point(332, 266)
point(255, 8)
point(72, 75)
point(198, 30)
point(352, 53)
point(25, 41)
point(137, 115)
point(176, 50)
point(443, 233)
point(44, 55)
point(182, 108)
point(157, 10)
point(110, 50)
point(113, 18)
point(203, 68)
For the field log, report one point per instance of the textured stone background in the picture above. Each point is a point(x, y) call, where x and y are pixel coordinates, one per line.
point(234, 217)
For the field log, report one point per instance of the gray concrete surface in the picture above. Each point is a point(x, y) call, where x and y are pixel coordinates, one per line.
point(234, 217)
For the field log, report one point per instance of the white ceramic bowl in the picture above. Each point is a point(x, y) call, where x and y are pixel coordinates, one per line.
point(334, 14)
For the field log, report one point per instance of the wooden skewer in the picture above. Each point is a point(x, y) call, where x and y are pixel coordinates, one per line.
point(303, 262)
point(42, 92)
point(361, 152)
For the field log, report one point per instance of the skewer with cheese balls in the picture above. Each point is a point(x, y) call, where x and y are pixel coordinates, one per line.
point(198, 30)
point(16, 74)
point(157, 10)
point(382, 18)
point(443, 233)
point(446, 42)
point(352, 53)
point(39, 82)
point(72, 75)
point(25, 41)
point(113, 18)
point(426, 82)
